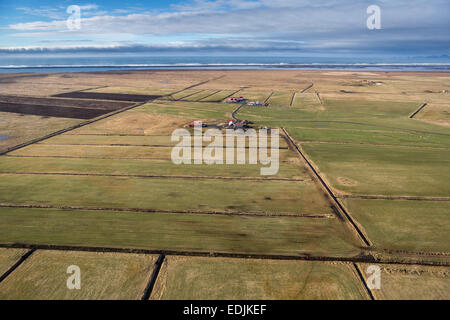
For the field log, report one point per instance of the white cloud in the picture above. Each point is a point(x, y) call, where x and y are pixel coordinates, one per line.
point(311, 24)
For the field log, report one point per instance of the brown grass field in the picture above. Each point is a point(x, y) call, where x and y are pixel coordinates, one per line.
point(104, 276)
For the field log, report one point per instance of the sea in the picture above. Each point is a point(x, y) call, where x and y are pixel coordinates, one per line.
point(67, 63)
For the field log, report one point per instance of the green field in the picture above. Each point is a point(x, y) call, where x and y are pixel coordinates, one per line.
point(375, 137)
point(380, 170)
point(143, 167)
point(198, 110)
point(404, 225)
point(109, 276)
point(254, 96)
point(205, 278)
point(182, 232)
point(271, 197)
point(112, 184)
point(281, 99)
point(218, 97)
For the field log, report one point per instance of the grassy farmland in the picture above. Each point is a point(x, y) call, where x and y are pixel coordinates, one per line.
point(179, 232)
point(404, 225)
point(382, 170)
point(103, 276)
point(401, 282)
point(112, 184)
point(8, 257)
point(205, 278)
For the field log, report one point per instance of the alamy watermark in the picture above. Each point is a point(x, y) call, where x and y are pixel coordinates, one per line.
point(374, 280)
point(374, 20)
point(74, 280)
point(228, 148)
point(74, 20)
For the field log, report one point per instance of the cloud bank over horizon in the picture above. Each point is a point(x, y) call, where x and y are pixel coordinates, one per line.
point(414, 27)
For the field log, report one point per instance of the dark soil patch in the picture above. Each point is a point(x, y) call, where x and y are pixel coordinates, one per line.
point(108, 96)
point(52, 111)
point(103, 105)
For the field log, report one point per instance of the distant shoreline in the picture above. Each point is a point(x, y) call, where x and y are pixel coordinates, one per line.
point(417, 67)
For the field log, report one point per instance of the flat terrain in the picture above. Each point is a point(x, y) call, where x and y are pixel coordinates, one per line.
point(402, 282)
point(104, 276)
point(8, 257)
point(364, 180)
point(204, 278)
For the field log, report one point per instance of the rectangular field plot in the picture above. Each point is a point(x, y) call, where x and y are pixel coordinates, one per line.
point(51, 111)
point(143, 140)
point(133, 90)
point(183, 278)
point(107, 96)
point(378, 137)
point(270, 197)
point(60, 102)
point(281, 99)
point(362, 109)
point(184, 94)
point(179, 232)
point(43, 276)
point(136, 152)
point(218, 97)
point(406, 282)
point(391, 171)
point(255, 96)
point(307, 101)
point(435, 113)
point(17, 128)
point(199, 96)
point(135, 122)
point(404, 225)
point(192, 110)
point(291, 170)
point(8, 257)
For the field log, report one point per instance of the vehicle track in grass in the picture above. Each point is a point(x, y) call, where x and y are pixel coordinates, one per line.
point(344, 214)
point(147, 210)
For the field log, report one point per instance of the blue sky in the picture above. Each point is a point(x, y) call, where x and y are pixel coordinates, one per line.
point(295, 27)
